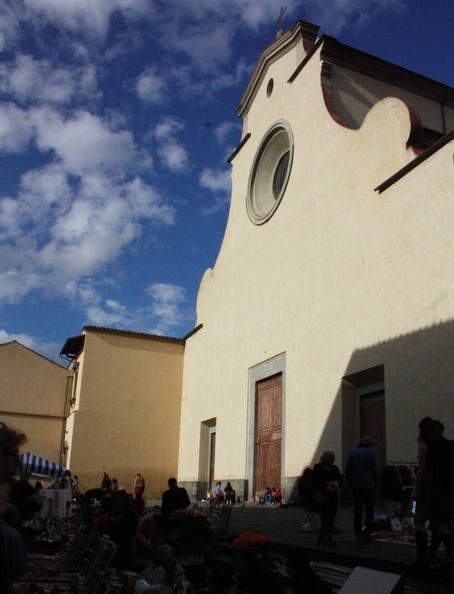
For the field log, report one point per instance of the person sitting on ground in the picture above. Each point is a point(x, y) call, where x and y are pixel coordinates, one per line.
point(267, 496)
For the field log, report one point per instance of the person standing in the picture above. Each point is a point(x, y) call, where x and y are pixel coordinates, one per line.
point(106, 482)
point(174, 498)
point(327, 481)
point(229, 494)
point(139, 484)
point(434, 488)
point(218, 494)
point(362, 474)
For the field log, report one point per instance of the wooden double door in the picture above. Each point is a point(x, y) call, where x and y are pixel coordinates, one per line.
point(268, 434)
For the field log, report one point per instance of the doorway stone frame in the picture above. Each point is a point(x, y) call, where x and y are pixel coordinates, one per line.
point(261, 371)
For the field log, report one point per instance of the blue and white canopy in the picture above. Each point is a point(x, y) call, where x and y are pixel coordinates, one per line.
point(40, 466)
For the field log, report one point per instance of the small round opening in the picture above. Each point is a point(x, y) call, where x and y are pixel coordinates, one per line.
point(269, 87)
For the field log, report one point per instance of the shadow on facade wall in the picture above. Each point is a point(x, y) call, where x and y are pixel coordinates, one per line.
point(386, 389)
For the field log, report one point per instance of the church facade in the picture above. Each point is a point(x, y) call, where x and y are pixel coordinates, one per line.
point(329, 312)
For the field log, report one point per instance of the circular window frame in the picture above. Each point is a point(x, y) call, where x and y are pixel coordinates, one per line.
point(261, 202)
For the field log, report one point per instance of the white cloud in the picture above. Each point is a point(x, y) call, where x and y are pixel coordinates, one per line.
point(172, 153)
point(91, 18)
point(167, 300)
point(8, 218)
point(111, 315)
point(151, 86)
point(47, 188)
point(14, 284)
point(216, 180)
point(167, 128)
point(174, 156)
point(57, 231)
point(30, 80)
point(222, 131)
point(98, 227)
point(9, 26)
point(198, 43)
point(144, 201)
point(203, 31)
point(15, 128)
point(353, 13)
point(219, 182)
point(84, 142)
point(166, 310)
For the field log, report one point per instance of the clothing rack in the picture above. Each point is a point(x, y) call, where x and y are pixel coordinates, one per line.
point(396, 484)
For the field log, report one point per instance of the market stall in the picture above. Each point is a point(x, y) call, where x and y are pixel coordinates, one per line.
point(56, 502)
point(39, 467)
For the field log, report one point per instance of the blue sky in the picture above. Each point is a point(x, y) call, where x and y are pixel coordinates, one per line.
point(116, 120)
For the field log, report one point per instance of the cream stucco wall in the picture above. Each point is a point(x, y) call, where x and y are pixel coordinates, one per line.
point(340, 279)
point(127, 410)
point(33, 393)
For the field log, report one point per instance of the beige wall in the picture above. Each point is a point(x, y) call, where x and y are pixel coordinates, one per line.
point(33, 398)
point(127, 411)
point(340, 279)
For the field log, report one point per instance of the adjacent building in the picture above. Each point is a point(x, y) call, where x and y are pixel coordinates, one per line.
point(125, 407)
point(34, 397)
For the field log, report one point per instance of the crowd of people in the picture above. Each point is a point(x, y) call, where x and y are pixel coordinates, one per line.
point(433, 493)
point(121, 515)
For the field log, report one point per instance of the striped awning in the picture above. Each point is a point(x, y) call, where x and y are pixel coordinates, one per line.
point(40, 466)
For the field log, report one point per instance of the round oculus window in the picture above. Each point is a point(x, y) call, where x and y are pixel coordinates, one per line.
point(270, 173)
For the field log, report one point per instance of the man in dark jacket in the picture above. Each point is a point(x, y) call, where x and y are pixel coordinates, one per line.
point(174, 498)
point(362, 474)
